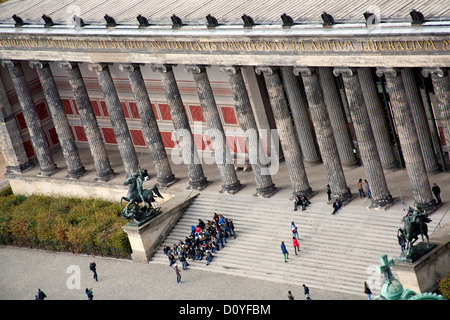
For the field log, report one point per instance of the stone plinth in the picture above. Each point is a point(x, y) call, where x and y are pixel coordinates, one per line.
point(146, 238)
point(424, 274)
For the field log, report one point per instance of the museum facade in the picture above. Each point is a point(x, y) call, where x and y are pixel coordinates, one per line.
point(370, 91)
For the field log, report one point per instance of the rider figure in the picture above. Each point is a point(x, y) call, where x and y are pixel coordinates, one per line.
point(139, 186)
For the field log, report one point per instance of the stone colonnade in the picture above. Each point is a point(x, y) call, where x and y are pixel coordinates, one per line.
point(307, 109)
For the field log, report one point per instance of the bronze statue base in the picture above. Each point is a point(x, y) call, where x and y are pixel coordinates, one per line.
point(416, 252)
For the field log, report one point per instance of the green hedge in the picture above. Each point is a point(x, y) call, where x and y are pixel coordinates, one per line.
point(444, 287)
point(87, 221)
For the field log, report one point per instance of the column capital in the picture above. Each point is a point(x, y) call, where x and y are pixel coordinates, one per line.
point(345, 72)
point(68, 65)
point(266, 71)
point(229, 70)
point(195, 68)
point(130, 67)
point(162, 68)
point(304, 71)
point(388, 72)
point(9, 63)
point(38, 64)
point(440, 72)
point(98, 67)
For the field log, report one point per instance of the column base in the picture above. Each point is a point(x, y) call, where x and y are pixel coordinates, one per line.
point(309, 193)
point(198, 185)
point(19, 169)
point(48, 172)
point(392, 165)
point(266, 192)
point(353, 164)
point(346, 198)
point(232, 189)
point(383, 204)
point(429, 207)
point(166, 182)
point(77, 174)
point(311, 163)
point(105, 176)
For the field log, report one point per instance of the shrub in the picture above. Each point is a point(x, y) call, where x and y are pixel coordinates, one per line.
point(65, 219)
point(444, 287)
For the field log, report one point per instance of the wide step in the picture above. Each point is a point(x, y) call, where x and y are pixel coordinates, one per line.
point(338, 252)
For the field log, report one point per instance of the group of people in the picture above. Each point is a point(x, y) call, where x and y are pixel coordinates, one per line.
point(204, 241)
point(305, 292)
point(89, 293)
point(295, 243)
point(302, 202)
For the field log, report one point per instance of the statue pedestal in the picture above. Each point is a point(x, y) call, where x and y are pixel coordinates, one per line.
point(425, 273)
point(146, 238)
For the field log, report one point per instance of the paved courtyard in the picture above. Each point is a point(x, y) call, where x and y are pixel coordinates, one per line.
point(24, 271)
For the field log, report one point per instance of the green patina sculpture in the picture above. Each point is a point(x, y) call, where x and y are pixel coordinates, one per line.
point(138, 195)
point(415, 225)
point(392, 289)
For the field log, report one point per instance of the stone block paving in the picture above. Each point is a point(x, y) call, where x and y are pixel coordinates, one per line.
point(24, 271)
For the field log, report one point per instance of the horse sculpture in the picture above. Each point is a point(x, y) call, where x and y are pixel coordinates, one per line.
point(415, 224)
point(135, 196)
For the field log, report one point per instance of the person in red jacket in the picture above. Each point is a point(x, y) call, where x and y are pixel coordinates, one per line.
point(296, 245)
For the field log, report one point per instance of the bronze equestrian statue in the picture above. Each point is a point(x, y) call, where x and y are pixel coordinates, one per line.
point(137, 195)
point(414, 224)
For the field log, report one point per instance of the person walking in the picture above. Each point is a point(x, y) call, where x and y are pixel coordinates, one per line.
point(182, 258)
point(401, 239)
point(437, 192)
point(93, 268)
point(231, 227)
point(329, 192)
point(306, 292)
point(360, 189)
point(296, 245)
point(366, 186)
point(178, 273)
point(290, 296)
point(367, 290)
point(297, 202)
point(284, 250)
point(40, 295)
point(89, 293)
point(294, 230)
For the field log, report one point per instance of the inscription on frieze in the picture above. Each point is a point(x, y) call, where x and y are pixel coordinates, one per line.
point(229, 46)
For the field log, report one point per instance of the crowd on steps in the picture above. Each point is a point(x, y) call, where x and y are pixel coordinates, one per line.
point(204, 241)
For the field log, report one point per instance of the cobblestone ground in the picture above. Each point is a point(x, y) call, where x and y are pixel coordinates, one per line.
point(23, 271)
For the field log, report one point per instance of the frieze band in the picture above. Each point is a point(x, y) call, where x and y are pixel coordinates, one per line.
point(278, 46)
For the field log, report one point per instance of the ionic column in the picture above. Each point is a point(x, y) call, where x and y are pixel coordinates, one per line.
point(409, 141)
point(37, 134)
point(337, 116)
point(150, 128)
point(324, 133)
point(89, 122)
point(197, 179)
point(225, 163)
point(10, 140)
point(118, 121)
point(441, 85)
point(366, 141)
point(299, 111)
point(291, 148)
point(420, 120)
point(264, 185)
point(69, 149)
point(377, 120)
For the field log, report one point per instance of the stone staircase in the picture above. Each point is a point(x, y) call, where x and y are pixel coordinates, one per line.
point(338, 252)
